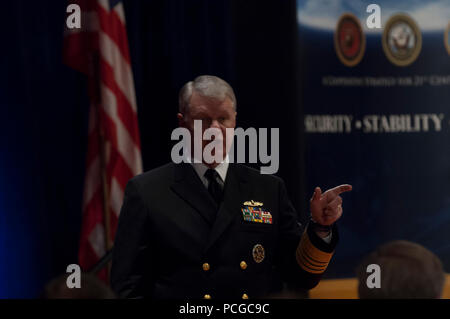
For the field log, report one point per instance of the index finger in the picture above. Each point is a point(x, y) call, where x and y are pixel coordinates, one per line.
point(341, 189)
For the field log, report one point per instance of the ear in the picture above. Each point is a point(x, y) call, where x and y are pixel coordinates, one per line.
point(181, 120)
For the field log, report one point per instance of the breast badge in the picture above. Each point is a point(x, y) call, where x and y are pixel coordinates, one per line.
point(349, 40)
point(402, 40)
point(253, 212)
point(258, 253)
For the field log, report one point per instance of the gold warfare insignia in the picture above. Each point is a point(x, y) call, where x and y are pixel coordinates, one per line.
point(349, 40)
point(402, 40)
point(447, 38)
point(252, 203)
point(258, 253)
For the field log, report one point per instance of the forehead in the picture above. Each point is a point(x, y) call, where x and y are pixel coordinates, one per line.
point(199, 103)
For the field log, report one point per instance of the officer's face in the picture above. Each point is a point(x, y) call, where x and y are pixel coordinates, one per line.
point(214, 114)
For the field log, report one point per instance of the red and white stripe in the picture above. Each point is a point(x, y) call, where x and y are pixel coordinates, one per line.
point(100, 50)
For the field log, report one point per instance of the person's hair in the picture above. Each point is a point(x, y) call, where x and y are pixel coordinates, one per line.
point(91, 288)
point(407, 270)
point(208, 86)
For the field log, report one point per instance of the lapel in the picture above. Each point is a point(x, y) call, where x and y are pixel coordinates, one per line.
point(235, 193)
point(188, 186)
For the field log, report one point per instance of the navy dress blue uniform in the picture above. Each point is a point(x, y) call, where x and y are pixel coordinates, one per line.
point(174, 241)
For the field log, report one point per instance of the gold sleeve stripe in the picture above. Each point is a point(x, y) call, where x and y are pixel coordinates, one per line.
point(308, 267)
point(315, 253)
point(312, 261)
point(310, 258)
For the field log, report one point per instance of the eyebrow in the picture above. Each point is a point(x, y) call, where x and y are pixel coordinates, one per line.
point(200, 113)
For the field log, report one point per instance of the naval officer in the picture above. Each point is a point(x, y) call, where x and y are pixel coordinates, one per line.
point(220, 230)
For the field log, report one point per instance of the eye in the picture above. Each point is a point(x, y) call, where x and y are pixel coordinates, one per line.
point(206, 121)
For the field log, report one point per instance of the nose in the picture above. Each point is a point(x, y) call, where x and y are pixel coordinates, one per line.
point(215, 124)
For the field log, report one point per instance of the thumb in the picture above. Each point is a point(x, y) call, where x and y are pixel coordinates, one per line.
point(317, 193)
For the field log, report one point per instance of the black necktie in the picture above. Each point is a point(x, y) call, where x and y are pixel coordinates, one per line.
point(214, 187)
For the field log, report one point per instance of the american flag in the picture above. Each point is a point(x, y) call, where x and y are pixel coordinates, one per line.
point(99, 49)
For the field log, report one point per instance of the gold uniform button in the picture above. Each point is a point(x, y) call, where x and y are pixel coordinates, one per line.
point(244, 296)
point(206, 297)
point(243, 265)
point(206, 267)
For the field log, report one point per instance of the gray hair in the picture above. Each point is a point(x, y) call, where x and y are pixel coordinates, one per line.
point(205, 85)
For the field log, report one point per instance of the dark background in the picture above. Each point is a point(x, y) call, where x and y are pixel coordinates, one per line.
point(251, 44)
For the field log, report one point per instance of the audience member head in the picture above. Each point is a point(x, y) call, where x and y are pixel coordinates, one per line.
point(407, 270)
point(91, 288)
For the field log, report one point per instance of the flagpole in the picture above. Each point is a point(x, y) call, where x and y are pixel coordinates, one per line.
point(105, 188)
point(105, 193)
point(97, 96)
point(97, 102)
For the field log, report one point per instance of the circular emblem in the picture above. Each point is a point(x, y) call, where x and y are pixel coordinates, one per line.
point(402, 40)
point(349, 40)
point(258, 253)
point(447, 38)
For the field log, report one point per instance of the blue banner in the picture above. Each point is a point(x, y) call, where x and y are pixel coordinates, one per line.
point(377, 116)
